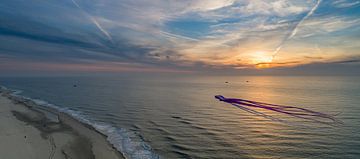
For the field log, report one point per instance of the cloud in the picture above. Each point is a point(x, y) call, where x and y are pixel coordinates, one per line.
point(325, 25)
point(348, 61)
point(278, 8)
point(346, 3)
point(24, 66)
point(188, 33)
point(45, 38)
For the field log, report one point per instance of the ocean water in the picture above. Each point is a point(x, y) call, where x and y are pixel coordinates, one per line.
point(168, 116)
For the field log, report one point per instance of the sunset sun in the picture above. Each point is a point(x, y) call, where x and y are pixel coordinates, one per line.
point(261, 57)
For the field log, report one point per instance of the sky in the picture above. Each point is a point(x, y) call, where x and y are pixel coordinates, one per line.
point(181, 36)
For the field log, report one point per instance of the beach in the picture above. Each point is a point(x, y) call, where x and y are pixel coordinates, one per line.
point(30, 133)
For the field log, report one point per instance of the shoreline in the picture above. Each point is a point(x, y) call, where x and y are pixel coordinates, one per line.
point(29, 131)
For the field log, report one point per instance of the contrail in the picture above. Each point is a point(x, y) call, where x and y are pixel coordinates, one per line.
point(294, 31)
point(97, 24)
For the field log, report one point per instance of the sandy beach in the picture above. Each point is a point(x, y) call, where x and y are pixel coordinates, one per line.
point(28, 133)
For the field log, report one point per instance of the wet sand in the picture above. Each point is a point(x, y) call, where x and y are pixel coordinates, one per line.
point(27, 132)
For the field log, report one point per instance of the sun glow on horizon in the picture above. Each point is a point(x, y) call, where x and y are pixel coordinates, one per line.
point(261, 57)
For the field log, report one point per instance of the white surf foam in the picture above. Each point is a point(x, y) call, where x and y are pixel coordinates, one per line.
point(125, 141)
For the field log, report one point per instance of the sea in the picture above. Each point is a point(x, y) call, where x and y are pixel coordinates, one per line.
point(177, 116)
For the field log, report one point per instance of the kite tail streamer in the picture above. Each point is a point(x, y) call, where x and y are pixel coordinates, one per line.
point(284, 109)
point(259, 113)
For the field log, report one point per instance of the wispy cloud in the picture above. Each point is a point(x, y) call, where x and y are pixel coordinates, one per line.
point(167, 34)
point(325, 25)
point(346, 3)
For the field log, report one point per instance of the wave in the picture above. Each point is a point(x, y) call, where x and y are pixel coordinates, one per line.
point(125, 141)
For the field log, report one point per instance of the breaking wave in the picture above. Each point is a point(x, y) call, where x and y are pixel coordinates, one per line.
point(125, 141)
